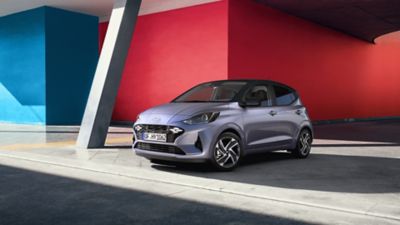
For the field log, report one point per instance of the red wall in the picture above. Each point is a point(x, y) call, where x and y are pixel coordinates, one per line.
point(171, 52)
point(338, 76)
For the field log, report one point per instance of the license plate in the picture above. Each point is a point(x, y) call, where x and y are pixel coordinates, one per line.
point(155, 137)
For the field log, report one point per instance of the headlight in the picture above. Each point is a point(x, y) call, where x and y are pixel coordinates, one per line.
point(202, 118)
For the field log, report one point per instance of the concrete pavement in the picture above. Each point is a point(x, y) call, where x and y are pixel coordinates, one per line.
point(350, 179)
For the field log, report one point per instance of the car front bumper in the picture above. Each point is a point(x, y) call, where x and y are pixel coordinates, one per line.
point(192, 145)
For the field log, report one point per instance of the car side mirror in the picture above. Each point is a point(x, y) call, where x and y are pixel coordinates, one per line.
point(250, 103)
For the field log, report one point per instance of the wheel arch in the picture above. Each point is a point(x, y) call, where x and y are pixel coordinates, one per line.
point(309, 128)
point(231, 130)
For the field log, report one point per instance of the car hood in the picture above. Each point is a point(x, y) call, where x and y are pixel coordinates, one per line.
point(178, 111)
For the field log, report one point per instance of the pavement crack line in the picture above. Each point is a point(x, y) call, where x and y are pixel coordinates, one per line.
point(220, 190)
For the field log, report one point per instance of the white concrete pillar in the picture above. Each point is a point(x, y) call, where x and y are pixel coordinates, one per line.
point(103, 93)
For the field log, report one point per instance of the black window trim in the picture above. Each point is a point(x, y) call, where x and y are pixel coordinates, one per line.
point(249, 84)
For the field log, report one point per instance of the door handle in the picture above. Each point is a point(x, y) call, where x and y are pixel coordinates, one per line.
point(299, 112)
point(272, 113)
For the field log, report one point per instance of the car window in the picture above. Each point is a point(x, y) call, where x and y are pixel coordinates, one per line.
point(259, 93)
point(212, 92)
point(284, 96)
point(204, 93)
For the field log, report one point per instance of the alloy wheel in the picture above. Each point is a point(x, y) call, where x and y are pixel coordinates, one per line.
point(305, 143)
point(227, 152)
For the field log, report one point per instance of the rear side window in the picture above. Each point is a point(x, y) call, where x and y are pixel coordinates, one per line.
point(284, 96)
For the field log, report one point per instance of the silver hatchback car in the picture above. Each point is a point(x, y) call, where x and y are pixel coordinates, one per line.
point(222, 121)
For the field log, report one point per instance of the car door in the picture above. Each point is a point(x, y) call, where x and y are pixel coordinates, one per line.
point(259, 124)
point(287, 113)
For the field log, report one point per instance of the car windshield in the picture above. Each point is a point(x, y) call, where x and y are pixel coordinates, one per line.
point(212, 92)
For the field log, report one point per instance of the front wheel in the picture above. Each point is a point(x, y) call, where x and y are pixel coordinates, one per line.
point(303, 146)
point(227, 152)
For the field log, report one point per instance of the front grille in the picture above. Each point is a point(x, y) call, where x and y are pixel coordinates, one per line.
point(159, 148)
point(161, 129)
point(156, 128)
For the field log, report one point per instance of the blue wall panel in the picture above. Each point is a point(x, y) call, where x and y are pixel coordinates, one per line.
point(71, 59)
point(22, 67)
point(47, 62)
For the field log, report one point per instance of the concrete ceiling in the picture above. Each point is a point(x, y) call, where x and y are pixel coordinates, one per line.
point(365, 19)
point(100, 8)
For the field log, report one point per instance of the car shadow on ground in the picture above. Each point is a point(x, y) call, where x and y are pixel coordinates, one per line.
point(320, 172)
point(28, 197)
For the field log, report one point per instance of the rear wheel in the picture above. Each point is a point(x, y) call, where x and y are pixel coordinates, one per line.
point(303, 146)
point(227, 152)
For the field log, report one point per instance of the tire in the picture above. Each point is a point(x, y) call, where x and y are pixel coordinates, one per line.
point(303, 145)
point(227, 152)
